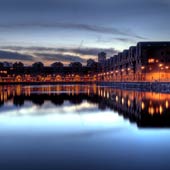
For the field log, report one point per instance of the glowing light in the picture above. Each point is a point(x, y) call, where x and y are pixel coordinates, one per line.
point(129, 103)
point(152, 110)
point(104, 94)
point(166, 104)
point(151, 60)
point(123, 101)
point(108, 95)
point(143, 105)
point(160, 65)
point(160, 109)
point(117, 99)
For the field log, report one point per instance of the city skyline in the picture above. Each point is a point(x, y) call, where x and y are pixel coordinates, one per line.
point(56, 30)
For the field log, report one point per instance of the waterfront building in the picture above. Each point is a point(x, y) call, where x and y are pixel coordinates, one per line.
point(101, 57)
point(148, 61)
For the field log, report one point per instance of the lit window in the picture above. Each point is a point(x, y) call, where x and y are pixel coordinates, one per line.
point(151, 60)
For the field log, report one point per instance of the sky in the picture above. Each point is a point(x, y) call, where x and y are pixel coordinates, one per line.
point(76, 30)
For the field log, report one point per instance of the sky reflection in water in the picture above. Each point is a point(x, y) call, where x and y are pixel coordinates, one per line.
point(79, 127)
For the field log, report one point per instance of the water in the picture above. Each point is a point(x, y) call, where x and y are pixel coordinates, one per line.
point(83, 128)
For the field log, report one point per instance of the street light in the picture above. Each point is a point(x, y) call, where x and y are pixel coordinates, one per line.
point(167, 72)
point(160, 67)
point(143, 68)
point(122, 70)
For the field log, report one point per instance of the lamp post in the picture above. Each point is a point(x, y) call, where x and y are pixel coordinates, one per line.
point(143, 68)
point(116, 72)
point(122, 76)
point(128, 71)
point(160, 66)
point(167, 72)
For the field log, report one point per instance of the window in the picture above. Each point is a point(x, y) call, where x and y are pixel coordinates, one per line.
point(151, 60)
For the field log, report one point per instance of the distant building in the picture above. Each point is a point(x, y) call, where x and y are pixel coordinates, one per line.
point(101, 57)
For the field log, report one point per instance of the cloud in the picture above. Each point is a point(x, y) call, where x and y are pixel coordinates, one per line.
point(124, 39)
point(60, 57)
point(15, 56)
point(75, 26)
point(21, 48)
point(8, 55)
point(77, 51)
point(94, 51)
point(48, 55)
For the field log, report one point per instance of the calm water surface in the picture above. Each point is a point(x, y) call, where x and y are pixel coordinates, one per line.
point(83, 128)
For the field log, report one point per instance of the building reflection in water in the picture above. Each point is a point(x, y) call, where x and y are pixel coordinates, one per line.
point(146, 109)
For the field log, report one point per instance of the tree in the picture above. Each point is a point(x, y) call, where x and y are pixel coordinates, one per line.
point(18, 65)
point(38, 66)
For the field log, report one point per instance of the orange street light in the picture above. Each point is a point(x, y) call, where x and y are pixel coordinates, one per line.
point(142, 67)
point(160, 65)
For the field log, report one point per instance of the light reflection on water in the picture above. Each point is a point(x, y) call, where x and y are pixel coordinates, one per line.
point(83, 127)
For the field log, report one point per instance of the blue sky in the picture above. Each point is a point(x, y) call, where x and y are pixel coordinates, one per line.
point(78, 24)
